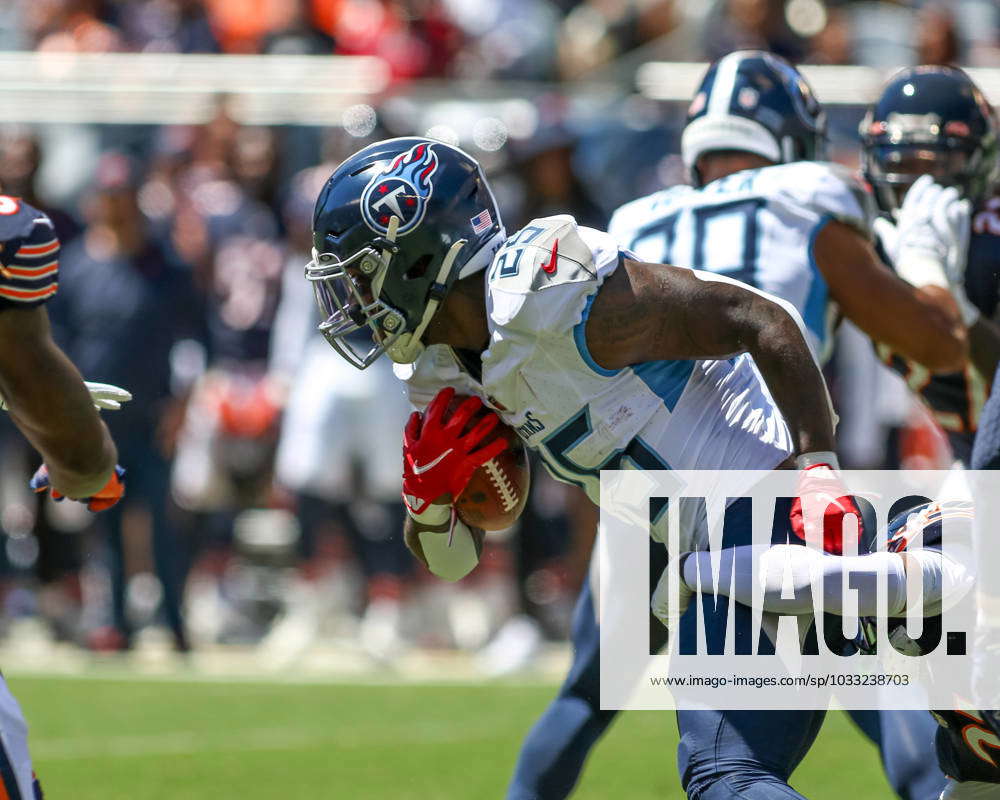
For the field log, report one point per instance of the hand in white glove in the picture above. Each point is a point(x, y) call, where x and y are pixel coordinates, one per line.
point(104, 396)
point(660, 603)
point(932, 240)
point(107, 396)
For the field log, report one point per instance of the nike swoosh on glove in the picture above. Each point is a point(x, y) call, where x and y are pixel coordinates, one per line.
point(102, 500)
point(438, 458)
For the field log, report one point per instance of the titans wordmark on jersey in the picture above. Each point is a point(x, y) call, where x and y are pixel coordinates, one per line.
point(756, 226)
point(581, 418)
point(956, 399)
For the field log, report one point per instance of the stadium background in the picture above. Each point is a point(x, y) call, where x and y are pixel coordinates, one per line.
point(179, 146)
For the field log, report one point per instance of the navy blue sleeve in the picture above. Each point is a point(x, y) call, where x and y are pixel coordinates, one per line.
point(29, 255)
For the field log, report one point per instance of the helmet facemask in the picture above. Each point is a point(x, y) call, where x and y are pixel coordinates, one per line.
point(351, 298)
point(892, 169)
point(933, 121)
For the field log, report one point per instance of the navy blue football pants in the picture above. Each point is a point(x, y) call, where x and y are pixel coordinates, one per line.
point(722, 755)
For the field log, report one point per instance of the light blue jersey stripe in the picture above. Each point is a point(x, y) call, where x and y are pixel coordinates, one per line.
point(814, 310)
point(666, 379)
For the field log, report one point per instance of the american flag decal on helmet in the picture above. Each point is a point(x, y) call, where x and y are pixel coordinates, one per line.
point(482, 221)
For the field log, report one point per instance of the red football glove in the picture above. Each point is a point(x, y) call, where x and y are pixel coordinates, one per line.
point(437, 458)
point(112, 492)
point(820, 487)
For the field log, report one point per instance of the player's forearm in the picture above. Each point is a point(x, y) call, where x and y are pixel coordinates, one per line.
point(775, 341)
point(940, 341)
point(55, 412)
point(786, 576)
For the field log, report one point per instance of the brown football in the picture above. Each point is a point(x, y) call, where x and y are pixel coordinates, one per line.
point(498, 491)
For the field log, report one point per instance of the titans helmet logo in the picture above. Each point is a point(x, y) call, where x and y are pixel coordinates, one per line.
point(401, 189)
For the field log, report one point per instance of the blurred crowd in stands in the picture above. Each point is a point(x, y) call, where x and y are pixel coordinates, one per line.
point(508, 39)
point(263, 472)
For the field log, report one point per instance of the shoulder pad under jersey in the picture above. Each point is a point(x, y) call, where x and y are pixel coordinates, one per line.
point(17, 219)
point(548, 252)
point(542, 277)
point(830, 190)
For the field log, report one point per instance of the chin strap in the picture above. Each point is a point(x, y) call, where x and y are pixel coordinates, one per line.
point(389, 248)
point(407, 347)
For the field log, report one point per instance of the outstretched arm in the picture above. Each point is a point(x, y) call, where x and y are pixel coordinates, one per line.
point(653, 312)
point(51, 406)
point(791, 579)
point(921, 323)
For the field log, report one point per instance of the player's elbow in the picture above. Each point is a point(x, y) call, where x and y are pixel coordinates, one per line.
point(776, 326)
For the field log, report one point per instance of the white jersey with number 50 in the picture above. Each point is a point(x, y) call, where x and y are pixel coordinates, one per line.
point(581, 418)
point(757, 226)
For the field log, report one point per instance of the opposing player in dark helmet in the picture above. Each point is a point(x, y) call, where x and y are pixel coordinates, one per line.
point(934, 121)
point(929, 120)
point(967, 741)
point(598, 359)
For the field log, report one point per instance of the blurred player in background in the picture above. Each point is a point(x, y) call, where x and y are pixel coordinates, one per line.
point(931, 128)
point(225, 229)
point(935, 121)
point(120, 285)
point(341, 461)
point(593, 355)
point(50, 404)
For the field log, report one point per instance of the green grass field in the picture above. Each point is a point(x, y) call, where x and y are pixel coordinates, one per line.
point(98, 739)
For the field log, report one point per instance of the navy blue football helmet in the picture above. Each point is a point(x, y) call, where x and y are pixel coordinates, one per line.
point(394, 227)
point(929, 120)
point(756, 102)
point(920, 525)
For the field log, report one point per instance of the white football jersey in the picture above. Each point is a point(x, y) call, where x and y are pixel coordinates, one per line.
point(581, 418)
point(756, 226)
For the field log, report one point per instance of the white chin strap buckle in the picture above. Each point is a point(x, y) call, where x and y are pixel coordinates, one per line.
point(408, 346)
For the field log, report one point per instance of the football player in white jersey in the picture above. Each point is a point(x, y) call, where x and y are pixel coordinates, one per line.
point(598, 359)
point(762, 213)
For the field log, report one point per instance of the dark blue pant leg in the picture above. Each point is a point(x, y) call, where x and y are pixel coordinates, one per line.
point(116, 569)
point(740, 755)
point(555, 749)
point(167, 546)
point(904, 740)
point(554, 752)
point(147, 480)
